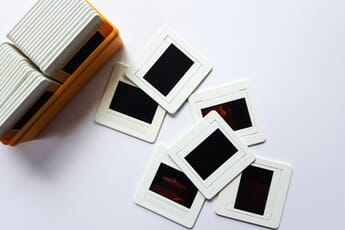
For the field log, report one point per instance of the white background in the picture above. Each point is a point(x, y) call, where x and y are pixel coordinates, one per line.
point(80, 175)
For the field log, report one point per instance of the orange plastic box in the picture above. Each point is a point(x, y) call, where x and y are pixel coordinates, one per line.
point(94, 62)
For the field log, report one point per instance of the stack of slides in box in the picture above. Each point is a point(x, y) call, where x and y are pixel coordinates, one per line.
point(63, 27)
point(57, 47)
point(22, 86)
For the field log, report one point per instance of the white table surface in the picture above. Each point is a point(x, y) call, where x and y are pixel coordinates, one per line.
point(80, 175)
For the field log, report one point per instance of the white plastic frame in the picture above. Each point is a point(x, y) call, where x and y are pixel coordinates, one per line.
point(252, 135)
point(187, 84)
point(275, 202)
point(227, 171)
point(161, 205)
point(122, 122)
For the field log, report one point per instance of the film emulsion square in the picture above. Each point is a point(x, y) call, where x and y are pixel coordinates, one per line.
point(168, 70)
point(133, 102)
point(253, 190)
point(235, 113)
point(214, 151)
point(174, 185)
